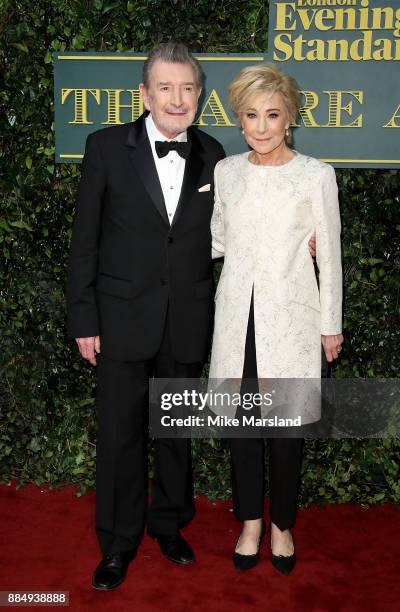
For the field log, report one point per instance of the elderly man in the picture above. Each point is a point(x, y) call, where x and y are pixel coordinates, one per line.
point(140, 300)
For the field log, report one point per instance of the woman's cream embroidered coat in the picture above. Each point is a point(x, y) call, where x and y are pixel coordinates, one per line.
point(262, 221)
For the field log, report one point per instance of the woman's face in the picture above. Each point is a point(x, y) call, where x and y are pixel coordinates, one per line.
point(264, 122)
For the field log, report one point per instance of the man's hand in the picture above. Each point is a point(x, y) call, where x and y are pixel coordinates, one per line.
point(88, 347)
point(332, 346)
point(312, 246)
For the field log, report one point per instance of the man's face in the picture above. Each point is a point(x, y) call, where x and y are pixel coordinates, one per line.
point(171, 97)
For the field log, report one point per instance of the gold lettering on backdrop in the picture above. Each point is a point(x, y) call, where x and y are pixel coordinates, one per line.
point(392, 122)
point(114, 105)
point(213, 107)
point(316, 49)
point(385, 52)
point(296, 21)
point(327, 2)
point(336, 109)
point(282, 45)
point(282, 15)
point(311, 100)
point(80, 103)
point(323, 19)
point(216, 111)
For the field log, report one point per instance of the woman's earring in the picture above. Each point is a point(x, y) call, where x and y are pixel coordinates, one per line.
point(287, 133)
point(243, 132)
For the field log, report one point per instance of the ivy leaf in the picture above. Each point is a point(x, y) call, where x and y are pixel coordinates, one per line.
point(21, 225)
point(21, 46)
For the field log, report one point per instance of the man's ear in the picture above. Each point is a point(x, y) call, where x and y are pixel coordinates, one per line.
point(145, 95)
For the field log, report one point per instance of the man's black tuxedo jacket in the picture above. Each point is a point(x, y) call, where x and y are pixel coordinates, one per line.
point(126, 261)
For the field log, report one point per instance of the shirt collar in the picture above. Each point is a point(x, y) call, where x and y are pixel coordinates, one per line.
point(154, 133)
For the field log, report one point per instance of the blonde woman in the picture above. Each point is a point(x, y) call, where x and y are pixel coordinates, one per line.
point(271, 317)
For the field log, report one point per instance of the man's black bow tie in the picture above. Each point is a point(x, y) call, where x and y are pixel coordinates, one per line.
point(163, 147)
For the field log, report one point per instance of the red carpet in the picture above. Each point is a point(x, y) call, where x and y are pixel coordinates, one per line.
point(348, 559)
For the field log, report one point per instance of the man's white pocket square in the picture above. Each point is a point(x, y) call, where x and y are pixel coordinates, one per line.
point(205, 187)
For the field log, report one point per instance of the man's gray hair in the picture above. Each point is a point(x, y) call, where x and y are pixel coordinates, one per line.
point(175, 53)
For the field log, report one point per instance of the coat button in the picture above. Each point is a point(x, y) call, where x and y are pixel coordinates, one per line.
point(163, 281)
point(170, 240)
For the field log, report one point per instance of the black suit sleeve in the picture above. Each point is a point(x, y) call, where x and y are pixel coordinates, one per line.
point(221, 153)
point(83, 262)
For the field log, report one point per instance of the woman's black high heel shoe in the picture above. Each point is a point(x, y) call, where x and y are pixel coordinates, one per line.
point(282, 563)
point(247, 562)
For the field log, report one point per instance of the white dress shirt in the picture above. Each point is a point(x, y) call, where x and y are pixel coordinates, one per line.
point(170, 168)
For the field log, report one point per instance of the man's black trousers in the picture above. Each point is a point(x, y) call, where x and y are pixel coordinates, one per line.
point(121, 464)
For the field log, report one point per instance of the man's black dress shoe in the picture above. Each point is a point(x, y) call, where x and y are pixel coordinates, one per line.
point(111, 570)
point(175, 548)
point(247, 562)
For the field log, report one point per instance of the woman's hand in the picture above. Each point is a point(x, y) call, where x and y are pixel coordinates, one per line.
point(332, 346)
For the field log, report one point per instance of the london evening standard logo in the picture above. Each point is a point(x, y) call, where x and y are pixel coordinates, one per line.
point(336, 30)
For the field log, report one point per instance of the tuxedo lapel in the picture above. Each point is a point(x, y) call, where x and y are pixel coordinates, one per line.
point(193, 168)
point(141, 156)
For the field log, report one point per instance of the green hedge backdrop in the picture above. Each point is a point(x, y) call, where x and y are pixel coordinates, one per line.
point(46, 391)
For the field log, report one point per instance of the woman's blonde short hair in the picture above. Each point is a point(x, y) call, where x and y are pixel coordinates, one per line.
point(263, 78)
